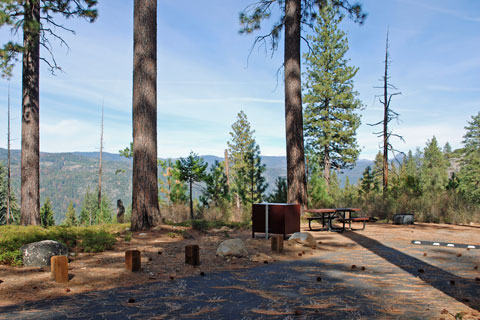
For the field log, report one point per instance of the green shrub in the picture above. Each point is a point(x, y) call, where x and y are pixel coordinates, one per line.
point(88, 239)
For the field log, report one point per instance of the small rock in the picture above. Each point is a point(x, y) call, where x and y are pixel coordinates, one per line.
point(131, 300)
point(261, 257)
point(142, 234)
point(304, 238)
point(232, 247)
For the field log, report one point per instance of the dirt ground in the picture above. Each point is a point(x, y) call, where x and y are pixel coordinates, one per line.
point(163, 257)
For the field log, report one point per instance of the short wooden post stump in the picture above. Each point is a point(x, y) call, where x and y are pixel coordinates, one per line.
point(59, 268)
point(276, 242)
point(133, 260)
point(192, 255)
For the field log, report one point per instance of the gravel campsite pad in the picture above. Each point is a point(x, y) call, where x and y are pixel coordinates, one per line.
point(375, 273)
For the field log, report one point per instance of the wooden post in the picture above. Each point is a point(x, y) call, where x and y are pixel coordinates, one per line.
point(59, 268)
point(133, 260)
point(192, 255)
point(276, 241)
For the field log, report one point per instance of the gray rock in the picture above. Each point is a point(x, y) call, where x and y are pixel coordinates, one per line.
point(232, 247)
point(38, 254)
point(304, 238)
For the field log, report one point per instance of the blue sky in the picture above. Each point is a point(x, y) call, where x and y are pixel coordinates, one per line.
point(204, 78)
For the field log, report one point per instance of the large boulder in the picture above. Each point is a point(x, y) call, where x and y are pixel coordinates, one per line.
point(304, 238)
point(38, 254)
point(232, 247)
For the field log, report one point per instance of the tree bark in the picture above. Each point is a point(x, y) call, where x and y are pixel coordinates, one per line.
point(327, 166)
point(296, 178)
point(145, 209)
point(8, 158)
point(30, 158)
point(192, 217)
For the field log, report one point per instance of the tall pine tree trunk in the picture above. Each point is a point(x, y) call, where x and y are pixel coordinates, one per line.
point(145, 210)
point(8, 158)
point(100, 163)
point(30, 162)
point(327, 166)
point(192, 217)
point(293, 105)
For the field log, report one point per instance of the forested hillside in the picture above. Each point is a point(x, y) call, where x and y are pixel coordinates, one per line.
point(66, 177)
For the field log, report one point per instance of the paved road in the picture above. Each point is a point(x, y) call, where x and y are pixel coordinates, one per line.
point(396, 282)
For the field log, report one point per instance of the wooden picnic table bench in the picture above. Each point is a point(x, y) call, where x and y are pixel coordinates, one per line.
point(340, 214)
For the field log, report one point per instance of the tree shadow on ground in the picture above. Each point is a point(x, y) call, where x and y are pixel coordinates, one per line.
point(463, 290)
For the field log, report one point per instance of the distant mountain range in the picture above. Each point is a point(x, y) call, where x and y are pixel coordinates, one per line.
point(66, 177)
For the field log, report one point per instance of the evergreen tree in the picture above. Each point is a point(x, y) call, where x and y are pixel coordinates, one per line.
point(469, 175)
point(71, 216)
point(368, 183)
point(174, 190)
point(292, 14)
point(433, 173)
point(330, 115)
point(257, 184)
point(104, 214)
point(247, 181)
point(46, 214)
point(279, 195)
point(14, 210)
point(145, 208)
point(88, 214)
point(191, 169)
point(216, 193)
point(36, 19)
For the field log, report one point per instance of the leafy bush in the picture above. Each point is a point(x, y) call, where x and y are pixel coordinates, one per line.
point(88, 239)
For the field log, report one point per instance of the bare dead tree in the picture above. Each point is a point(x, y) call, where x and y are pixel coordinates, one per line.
point(100, 163)
point(8, 157)
point(388, 116)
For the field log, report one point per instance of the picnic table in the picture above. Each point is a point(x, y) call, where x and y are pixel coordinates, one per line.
point(327, 216)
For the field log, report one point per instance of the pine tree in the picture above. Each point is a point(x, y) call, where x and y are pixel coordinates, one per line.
point(14, 209)
point(105, 212)
point(174, 190)
point(469, 174)
point(217, 192)
point(36, 19)
point(368, 183)
point(279, 195)
point(247, 170)
point(88, 214)
point(191, 169)
point(46, 214)
point(71, 216)
point(433, 173)
point(145, 208)
point(330, 115)
point(292, 15)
